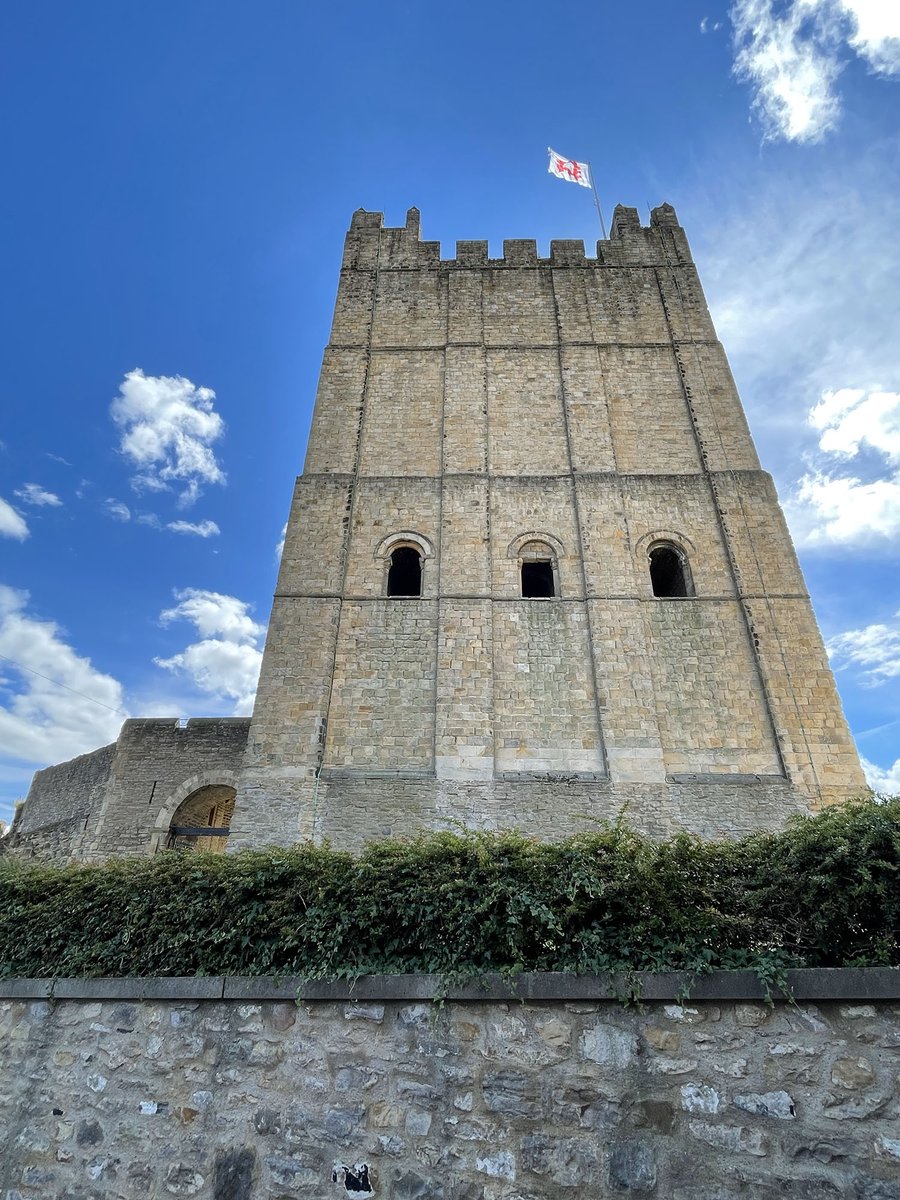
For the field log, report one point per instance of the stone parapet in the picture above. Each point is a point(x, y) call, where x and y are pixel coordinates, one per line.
point(838, 984)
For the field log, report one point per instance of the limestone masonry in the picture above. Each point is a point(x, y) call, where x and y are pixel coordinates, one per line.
point(533, 574)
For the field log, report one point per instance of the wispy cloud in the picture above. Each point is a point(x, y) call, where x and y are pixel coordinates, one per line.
point(802, 280)
point(224, 663)
point(168, 428)
point(117, 510)
point(202, 529)
point(792, 55)
point(802, 284)
point(873, 652)
point(279, 548)
point(54, 703)
point(38, 497)
point(12, 523)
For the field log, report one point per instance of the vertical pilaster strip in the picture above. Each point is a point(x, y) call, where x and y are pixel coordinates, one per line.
point(348, 532)
point(734, 570)
point(576, 509)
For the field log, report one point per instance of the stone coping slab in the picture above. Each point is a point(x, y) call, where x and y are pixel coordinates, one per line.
point(825, 983)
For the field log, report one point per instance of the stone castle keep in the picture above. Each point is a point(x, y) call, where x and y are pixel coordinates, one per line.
point(533, 575)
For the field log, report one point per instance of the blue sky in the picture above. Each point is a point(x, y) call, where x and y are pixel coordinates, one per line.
point(178, 180)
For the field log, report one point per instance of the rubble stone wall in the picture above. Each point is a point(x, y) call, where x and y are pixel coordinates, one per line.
point(230, 1089)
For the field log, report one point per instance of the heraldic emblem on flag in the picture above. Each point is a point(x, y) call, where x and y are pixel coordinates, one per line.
point(567, 168)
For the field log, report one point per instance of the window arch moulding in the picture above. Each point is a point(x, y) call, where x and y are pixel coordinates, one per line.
point(538, 554)
point(403, 537)
point(665, 557)
point(518, 544)
point(403, 555)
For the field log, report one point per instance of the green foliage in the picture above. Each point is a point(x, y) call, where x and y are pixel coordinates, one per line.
point(823, 893)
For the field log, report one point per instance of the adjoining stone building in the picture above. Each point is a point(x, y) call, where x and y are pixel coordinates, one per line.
point(533, 576)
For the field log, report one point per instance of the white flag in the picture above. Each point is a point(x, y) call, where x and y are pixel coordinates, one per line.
point(567, 168)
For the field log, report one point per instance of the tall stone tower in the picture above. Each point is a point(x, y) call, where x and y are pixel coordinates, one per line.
point(533, 571)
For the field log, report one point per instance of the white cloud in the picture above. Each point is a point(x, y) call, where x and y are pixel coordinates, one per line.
point(117, 510)
point(883, 779)
point(279, 549)
point(202, 529)
point(55, 704)
point(850, 418)
point(11, 522)
point(792, 54)
point(214, 614)
point(168, 429)
point(845, 509)
point(221, 669)
point(33, 493)
point(877, 33)
point(225, 662)
point(874, 651)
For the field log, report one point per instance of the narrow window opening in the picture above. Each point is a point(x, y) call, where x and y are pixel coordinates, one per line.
point(537, 579)
point(667, 572)
point(405, 572)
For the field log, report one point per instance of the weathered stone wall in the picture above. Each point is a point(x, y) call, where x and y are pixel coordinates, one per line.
point(158, 764)
point(60, 801)
point(121, 799)
point(259, 1097)
point(584, 403)
point(351, 810)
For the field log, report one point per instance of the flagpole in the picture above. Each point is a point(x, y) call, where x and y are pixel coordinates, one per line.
point(597, 200)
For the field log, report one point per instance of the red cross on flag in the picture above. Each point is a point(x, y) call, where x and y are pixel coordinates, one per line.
point(567, 168)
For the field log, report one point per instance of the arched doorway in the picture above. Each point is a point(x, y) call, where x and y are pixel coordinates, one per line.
point(202, 820)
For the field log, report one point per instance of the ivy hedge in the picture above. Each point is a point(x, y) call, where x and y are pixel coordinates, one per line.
point(826, 892)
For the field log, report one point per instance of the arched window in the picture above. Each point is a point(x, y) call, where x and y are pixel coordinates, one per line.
point(402, 556)
point(538, 571)
point(405, 572)
point(670, 574)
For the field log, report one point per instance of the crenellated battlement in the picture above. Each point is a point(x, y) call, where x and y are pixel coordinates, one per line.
point(136, 727)
point(370, 244)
